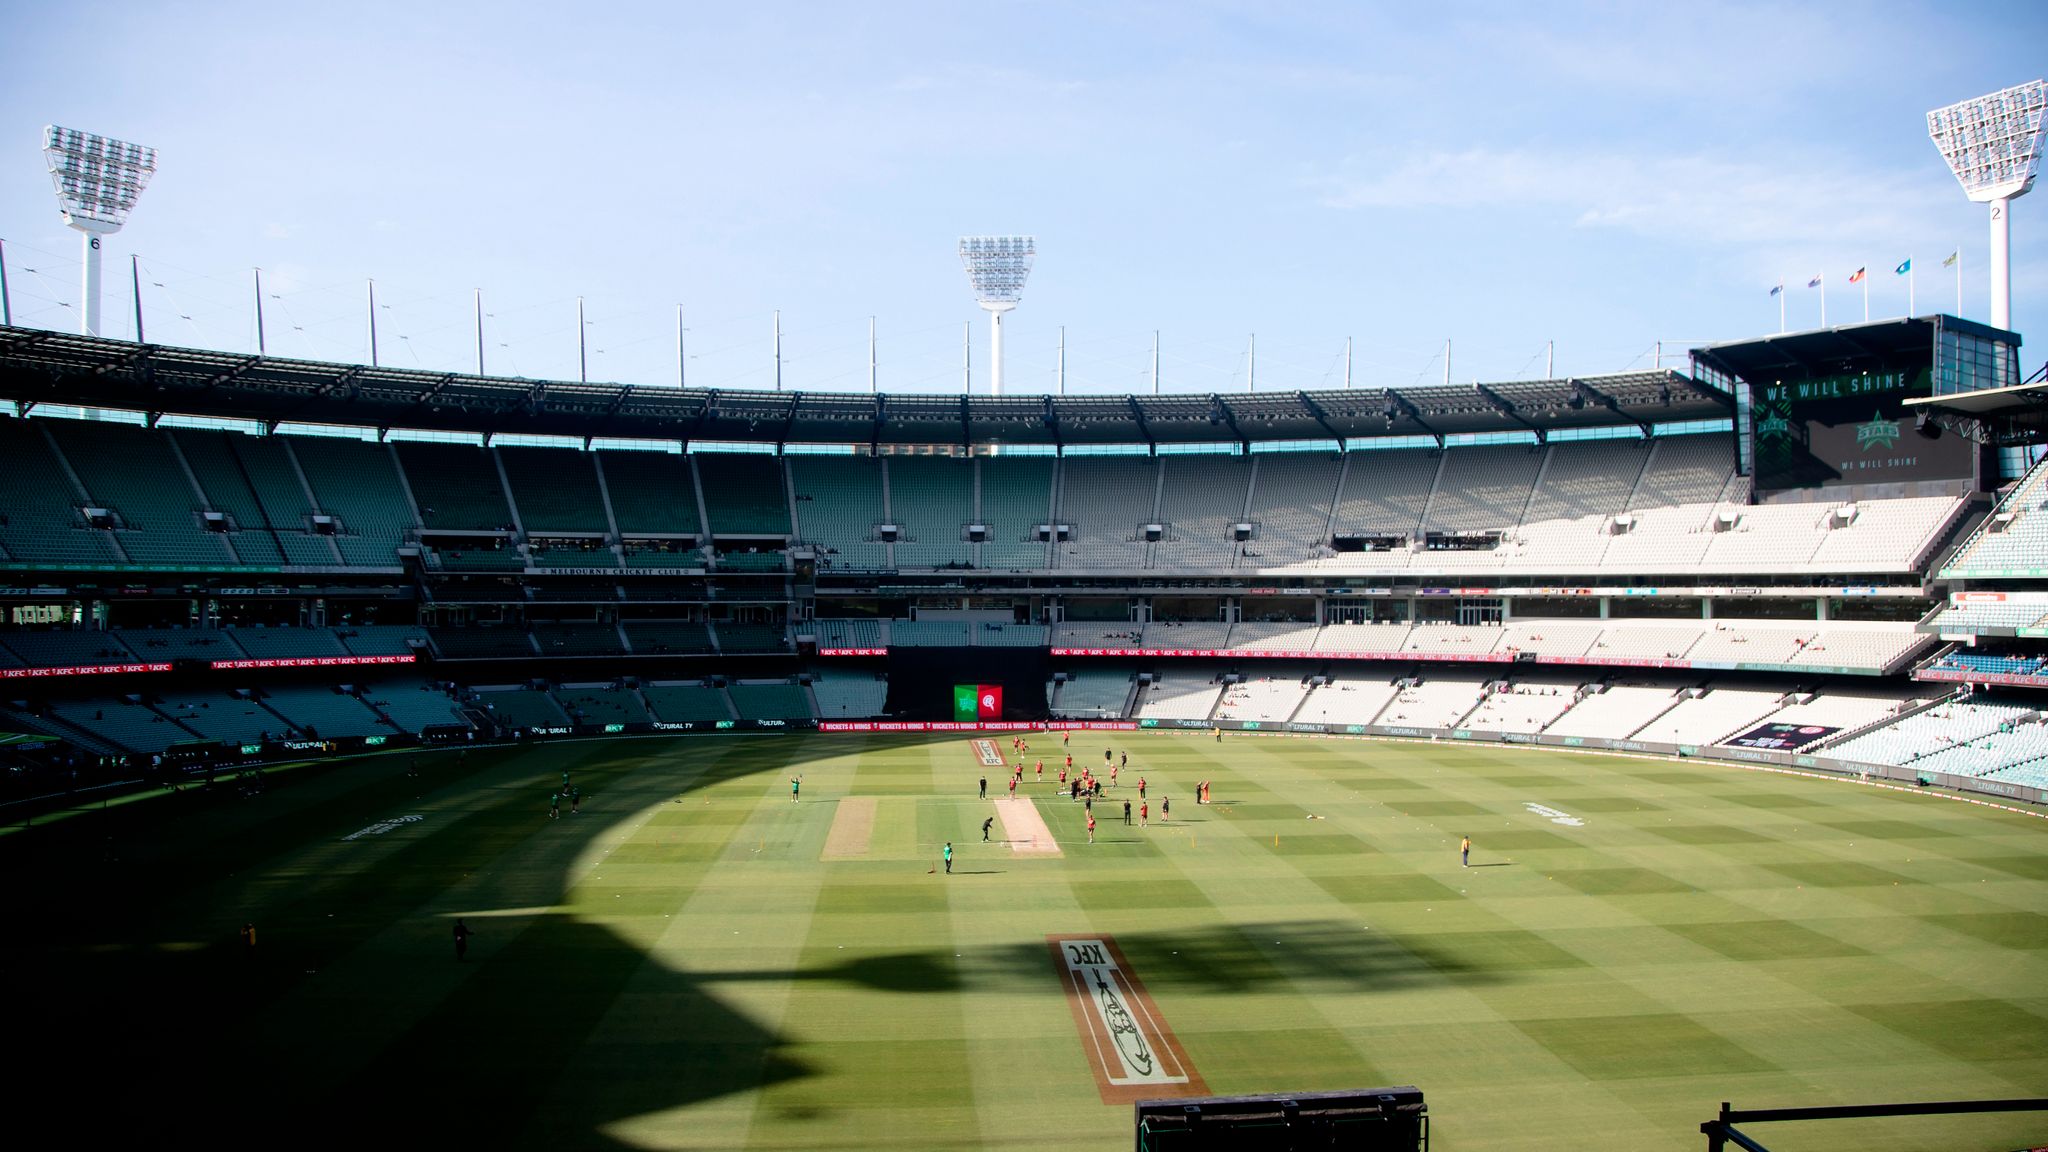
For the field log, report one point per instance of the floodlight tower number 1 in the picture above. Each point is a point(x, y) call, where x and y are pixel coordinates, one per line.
point(98, 180)
point(997, 266)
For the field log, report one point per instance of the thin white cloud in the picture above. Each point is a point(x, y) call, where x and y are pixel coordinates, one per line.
point(1818, 204)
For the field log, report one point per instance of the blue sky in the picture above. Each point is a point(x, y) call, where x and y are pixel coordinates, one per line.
point(1607, 176)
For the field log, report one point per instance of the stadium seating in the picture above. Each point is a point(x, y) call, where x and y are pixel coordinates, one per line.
point(358, 482)
point(1349, 698)
point(578, 639)
point(845, 633)
point(928, 633)
point(381, 639)
point(325, 712)
point(1292, 498)
point(779, 700)
point(931, 498)
point(1363, 638)
point(1525, 706)
point(1200, 498)
point(682, 702)
point(1713, 715)
point(225, 485)
point(651, 492)
point(62, 648)
point(1439, 701)
point(1281, 636)
point(129, 724)
point(602, 704)
point(736, 637)
point(1016, 497)
point(520, 707)
point(996, 635)
point(133, 472)
point(1106, 501)
point(840, 510)
point(485, 642)
point(456, 486)
point(1950, 725)
point(204, 644)
point(1180, 694)
point(1265, 699)
point(221, 717)
point(554, 490)
point(1483, 488)
point(1616, 713)
point(1098, 634)
point(2015, 538)
point(42, 521)
point(1385, 492)
point(1971, 618)
point(412, 706)
point(849, 695)
point(667, 637)
point(743, 494)
point(1093, 693)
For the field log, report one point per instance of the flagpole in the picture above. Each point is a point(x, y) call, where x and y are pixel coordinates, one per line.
point(1866, 297)
point(1781, 305)
point(1910, 270)
point(1823, 301)
point(1959, 280)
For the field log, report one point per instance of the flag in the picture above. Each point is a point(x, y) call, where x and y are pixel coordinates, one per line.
point(1952, 258)
point(1858, 275)
point(1778, 289)
point(1904, 267)
point(1815, 282)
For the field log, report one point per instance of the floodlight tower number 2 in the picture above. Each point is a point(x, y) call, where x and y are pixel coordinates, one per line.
point(98, 179)
point(1993, 145)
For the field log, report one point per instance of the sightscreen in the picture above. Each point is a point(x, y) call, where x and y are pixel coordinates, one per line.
point(967, 683)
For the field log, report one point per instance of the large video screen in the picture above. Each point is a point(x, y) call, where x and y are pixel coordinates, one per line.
point(1849, 430)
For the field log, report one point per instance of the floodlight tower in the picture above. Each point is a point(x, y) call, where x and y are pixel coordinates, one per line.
point(1993, 145)
point(997, 266)
point(98, 180)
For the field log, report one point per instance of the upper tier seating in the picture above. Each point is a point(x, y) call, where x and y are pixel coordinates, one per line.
point(652, 492)
point(1200, 498)
point(555, 490)
point(133, 472)
point(931, 498)
point(743, 494)
point(43, 523)
point(1016, 497)
point(456, 486)
point(1106, 501)
point(227, 487)
point(1292, 496)
point(2015, 538)
point(839, 509)
point(359, 483)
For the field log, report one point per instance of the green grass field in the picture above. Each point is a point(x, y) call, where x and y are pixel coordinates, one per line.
point(679, 965)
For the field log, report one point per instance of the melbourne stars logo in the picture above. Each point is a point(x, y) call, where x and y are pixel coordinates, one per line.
point(1773, 425)
point(1880, 432)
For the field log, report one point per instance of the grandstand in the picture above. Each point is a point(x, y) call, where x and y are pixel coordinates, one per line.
point(1495, 560)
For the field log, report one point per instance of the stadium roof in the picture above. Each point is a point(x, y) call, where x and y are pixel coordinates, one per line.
point(1838, 351)
point(43, 367)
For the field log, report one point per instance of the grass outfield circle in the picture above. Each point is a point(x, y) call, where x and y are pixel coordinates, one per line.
point(693, 960)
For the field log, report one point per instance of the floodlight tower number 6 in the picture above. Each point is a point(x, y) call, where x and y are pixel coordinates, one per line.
point(98, 180)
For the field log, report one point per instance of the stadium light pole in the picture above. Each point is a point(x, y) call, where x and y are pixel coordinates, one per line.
point(997, 267)
point(135, 281)
point(98, 180)
point(1993, 145)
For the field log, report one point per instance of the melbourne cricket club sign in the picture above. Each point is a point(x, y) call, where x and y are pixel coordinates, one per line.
point(1133, 1053)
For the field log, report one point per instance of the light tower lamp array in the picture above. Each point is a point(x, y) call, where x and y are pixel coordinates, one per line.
point(1993, 145)
point(98, 180)
point(997, 266)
